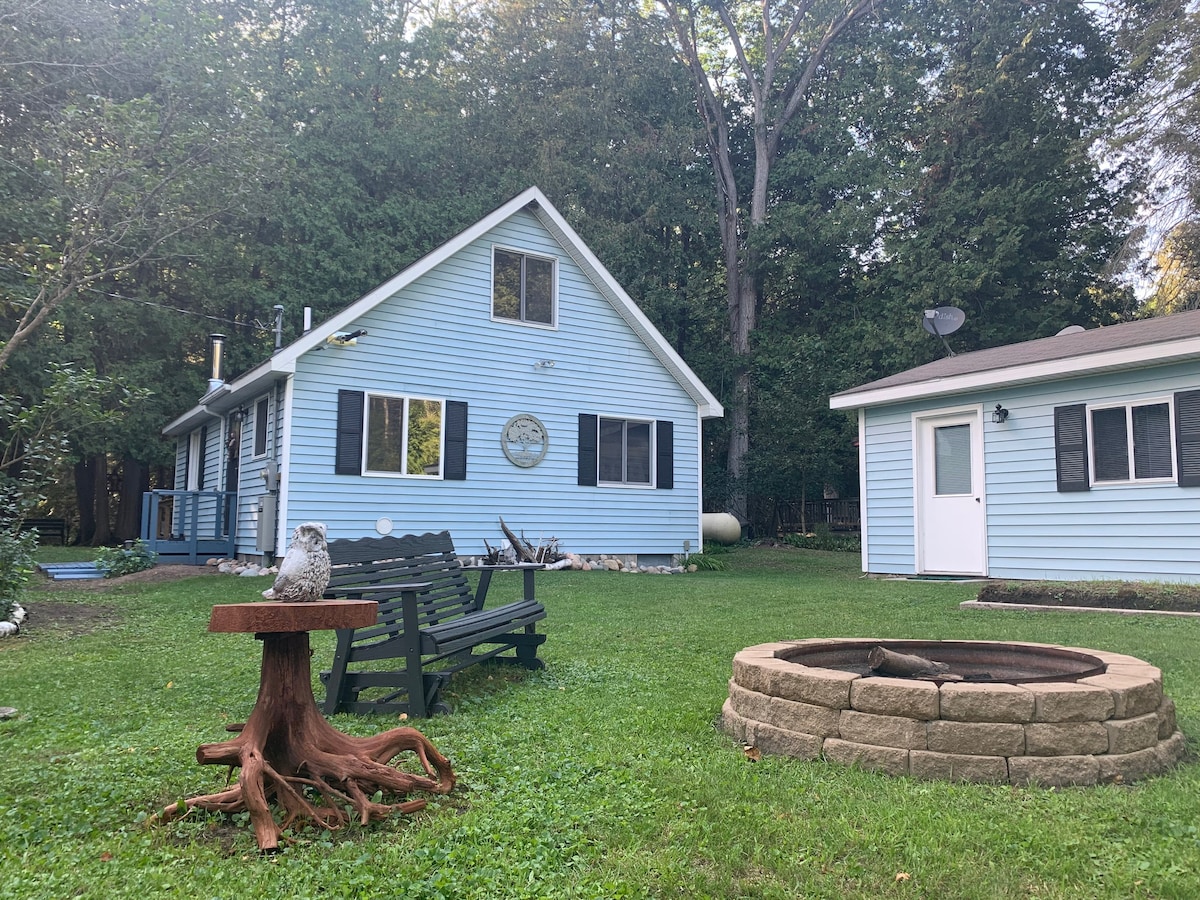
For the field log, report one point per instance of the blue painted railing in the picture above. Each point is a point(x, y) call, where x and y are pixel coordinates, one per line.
point(189, 526)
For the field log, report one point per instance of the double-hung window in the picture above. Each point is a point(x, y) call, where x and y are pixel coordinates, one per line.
point(261, 412)
point(404, 436)
point(625, 452)
point(522, 287)
point(1151, 440)
point(616, 452)
point(1132, 442)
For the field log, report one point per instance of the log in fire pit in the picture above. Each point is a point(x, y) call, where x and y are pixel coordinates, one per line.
point(956, 710)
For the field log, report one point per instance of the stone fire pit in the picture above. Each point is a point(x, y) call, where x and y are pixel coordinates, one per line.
point(1006, 712)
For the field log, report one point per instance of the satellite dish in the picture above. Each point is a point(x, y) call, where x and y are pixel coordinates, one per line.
point(943, 320)
point(1071, 329)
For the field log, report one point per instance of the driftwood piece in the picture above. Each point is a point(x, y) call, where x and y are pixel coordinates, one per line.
point(889, 662)
point(520, 547)
point(288, 753)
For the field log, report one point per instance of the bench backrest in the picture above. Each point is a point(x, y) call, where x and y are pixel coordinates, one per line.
point(358, 566)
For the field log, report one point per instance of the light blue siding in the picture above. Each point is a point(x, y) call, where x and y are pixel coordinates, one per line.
point(436, 339)
point(1147, 531)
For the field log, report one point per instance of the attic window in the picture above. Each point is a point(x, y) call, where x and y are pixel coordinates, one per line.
point(522, 287)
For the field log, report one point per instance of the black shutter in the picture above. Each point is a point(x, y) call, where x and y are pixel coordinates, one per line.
point(455, 466)
point(348, 451)
point(588, 430)
point(1187, 438)
point(200, 462)
point(664, 452)
point(1070, 447)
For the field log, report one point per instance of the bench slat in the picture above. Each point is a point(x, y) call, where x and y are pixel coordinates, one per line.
point(427, 616)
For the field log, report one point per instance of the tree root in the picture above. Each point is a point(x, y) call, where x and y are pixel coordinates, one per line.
point(289, 754)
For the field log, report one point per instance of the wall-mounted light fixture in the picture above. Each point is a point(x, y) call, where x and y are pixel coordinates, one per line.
point(999, 415)
point(342, 339)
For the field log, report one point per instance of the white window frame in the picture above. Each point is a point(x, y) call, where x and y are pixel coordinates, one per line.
point(1129, 406)
point(652, 449)
point(262, 414)
point(366, 437)
point(552, 325)
point(195, 461)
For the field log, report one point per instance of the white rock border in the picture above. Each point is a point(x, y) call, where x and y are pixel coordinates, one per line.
point(12, 625)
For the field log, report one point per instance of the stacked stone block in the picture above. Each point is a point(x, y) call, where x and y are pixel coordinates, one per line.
point(1113, 727)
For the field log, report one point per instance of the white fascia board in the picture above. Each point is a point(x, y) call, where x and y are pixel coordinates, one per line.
point(1048, 370)
point(341, 321)
point(706, 401)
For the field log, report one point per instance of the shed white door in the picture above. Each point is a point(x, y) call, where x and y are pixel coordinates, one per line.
point(951, 519)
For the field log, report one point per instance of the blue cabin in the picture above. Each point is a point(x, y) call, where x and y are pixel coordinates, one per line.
point(1071, 457)
point(505, 374)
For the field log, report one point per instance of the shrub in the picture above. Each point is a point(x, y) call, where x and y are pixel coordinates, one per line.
point(704, 562)
point(821, 538)
point(115, 561)
point(16, 565)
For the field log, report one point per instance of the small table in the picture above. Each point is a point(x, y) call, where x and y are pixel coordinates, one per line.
point(286, 751)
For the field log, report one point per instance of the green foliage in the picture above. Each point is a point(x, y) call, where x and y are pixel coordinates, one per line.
point(704, 562)
point(17, 550)
point(822, 538)
point(116, 561)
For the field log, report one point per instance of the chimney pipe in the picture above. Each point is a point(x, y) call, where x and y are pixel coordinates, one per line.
point(278, 326)
point(307, 319)
point(216, 344)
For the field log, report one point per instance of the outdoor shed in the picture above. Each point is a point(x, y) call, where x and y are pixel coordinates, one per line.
point(1067, 458)
point(505, 374)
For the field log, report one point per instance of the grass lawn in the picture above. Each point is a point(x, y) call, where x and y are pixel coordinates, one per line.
point(601, 777)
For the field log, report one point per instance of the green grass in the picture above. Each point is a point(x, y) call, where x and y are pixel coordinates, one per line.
point(601, 777)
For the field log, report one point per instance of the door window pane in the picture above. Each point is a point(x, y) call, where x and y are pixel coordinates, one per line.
point(952, 459)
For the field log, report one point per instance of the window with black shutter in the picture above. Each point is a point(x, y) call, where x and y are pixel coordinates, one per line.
point(626, 452)
point(1152, 440)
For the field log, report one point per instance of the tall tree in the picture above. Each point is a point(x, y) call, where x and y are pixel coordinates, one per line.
point(122, 127)
point(752, 66)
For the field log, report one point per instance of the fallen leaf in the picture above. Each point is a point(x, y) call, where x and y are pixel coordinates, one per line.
point(903, 876)
point(170, 684)
point(106, 856)
point(752, 753)
point(403, 716)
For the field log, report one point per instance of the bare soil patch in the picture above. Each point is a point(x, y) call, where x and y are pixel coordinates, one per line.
point(156, 575)
point(1101, 595)
point(46, 615)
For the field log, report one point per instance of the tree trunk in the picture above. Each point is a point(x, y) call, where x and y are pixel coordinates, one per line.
point(288, 752)
point(100, 497)
point(85, 478)
point(135, 480)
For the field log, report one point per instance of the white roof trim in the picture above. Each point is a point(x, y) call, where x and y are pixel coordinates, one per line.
point(708, 404)
point(1049, 370)
point(284, 361)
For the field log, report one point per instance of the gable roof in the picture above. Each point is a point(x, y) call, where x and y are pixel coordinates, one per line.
point(226, 396)
point(1132, 345)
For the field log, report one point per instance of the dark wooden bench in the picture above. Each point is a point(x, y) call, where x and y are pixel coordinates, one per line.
point(429, 621)
point(47, 529)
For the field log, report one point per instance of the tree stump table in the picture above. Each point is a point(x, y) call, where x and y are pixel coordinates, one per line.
point(286, 751)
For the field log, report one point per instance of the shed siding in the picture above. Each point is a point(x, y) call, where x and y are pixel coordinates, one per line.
point(436, 339)
point(1118, 531)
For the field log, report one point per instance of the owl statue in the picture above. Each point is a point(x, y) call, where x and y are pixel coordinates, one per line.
point(304, 572)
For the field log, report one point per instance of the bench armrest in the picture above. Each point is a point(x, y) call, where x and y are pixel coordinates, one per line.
point(485, 579)
point(363, 591)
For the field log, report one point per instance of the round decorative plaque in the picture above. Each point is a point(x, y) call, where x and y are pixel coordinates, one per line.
point(524, 440)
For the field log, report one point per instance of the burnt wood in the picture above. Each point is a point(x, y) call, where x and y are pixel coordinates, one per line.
point(430, 624)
